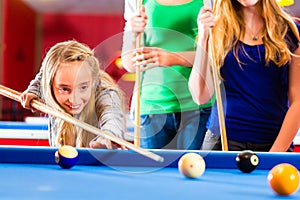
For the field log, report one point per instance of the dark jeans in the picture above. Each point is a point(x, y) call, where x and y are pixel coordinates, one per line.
point(185, 130)
point(213, 142)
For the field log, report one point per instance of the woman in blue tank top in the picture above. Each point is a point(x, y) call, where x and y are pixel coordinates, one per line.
point(257, 54)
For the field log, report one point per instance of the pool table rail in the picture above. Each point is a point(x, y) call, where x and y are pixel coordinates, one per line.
point(128, 158)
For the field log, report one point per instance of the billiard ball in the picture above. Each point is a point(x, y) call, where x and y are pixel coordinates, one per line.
point(66, 156)
point(247, 161)
point(284, 179)
point(191, 165)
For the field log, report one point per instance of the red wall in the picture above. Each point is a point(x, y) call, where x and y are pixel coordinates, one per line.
point(20, 36)
point(23, 41)
point(102, 32)
point(19, 39)
point(19, 23)
point(89, 29)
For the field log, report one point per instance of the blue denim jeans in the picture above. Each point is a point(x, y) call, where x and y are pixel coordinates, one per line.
point(182, 130)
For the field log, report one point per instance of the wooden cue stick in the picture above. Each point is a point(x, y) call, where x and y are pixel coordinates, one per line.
point(224, 142)
point(12, 94)
point(137, 132)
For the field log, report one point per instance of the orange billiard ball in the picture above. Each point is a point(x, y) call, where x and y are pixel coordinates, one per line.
point(66, 156)
point(191, 165)
point(284, 179)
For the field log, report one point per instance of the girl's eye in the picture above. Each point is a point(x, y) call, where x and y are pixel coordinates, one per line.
point(64, 90)
point(84, 87)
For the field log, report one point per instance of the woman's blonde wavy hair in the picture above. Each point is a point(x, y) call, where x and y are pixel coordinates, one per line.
point(72, 51)
point(230, 27)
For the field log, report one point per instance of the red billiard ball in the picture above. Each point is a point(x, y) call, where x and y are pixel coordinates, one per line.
point(247, 161)
point(284, 179)
point(191, 165)
point(66, 156)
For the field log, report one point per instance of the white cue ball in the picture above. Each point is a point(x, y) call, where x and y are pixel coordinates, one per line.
point(191, 165)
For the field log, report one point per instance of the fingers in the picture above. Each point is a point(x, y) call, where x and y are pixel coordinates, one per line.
point(205, 9)
point(148, 67)
point(97, 145)
point(145, 53)
point(139, 20)
point(101, 143)
point(117, 146)
point(206, 17)
point(26, 99)
point(143, 9)
point(145, 60)
point(141, 12)
point(122, 148)
point(206, 20)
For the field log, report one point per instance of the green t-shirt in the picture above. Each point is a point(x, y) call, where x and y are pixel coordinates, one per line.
point(173, 28)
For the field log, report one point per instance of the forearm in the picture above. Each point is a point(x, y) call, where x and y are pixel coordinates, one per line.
point(288, 129)
point(128, 48)
point(291, 121)
point(112, 116)
point(201, 81)
point(129, 36)
point(185, 58)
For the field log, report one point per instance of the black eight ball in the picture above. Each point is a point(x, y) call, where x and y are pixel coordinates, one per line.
point(247, 161)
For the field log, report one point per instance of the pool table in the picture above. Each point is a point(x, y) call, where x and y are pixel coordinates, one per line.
point(34, 132)
point(31, 173)
point(23, 133)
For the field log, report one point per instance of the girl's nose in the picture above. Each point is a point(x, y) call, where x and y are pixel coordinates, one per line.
point(73, 97)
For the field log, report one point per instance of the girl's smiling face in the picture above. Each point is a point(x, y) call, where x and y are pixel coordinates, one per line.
point(248, 3)
point(72, 86)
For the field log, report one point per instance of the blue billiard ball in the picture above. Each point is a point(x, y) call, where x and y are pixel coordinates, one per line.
point(247, 161)
point(66, 156)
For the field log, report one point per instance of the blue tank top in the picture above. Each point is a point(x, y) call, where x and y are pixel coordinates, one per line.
point(256, 97)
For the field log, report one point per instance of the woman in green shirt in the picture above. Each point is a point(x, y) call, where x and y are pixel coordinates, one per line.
point(169, 116)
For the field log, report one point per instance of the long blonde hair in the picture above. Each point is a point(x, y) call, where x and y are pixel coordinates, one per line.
point(72, 51)
point(230, 27)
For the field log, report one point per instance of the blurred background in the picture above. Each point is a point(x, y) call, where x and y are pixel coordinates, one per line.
point(28, 28)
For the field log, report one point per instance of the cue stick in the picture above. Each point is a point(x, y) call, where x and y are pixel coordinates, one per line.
point(12, 94)
point(137, 132)
point(224, 142)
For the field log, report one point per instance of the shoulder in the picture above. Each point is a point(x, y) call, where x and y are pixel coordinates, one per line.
point(291, 39)
point(297, 23)
point(107, 90)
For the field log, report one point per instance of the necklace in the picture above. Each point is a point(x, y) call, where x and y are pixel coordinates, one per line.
point(256, 36)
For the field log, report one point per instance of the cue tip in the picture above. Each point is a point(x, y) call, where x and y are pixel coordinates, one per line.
point(161, 159)
point(155, 157)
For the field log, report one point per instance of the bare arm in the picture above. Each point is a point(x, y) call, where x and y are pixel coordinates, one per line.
point(291, 121)
point(150, 57)
point(201, 81)
point(136, 22)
